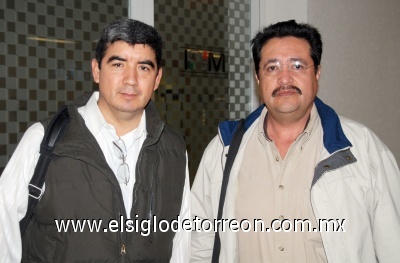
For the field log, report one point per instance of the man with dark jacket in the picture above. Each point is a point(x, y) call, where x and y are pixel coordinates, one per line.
point(117, 171)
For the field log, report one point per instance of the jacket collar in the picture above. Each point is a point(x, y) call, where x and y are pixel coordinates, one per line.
point(154, 124)
point(334, 138)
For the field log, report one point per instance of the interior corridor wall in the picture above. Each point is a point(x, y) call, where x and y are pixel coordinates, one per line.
point(360, 72)
point(360, 58)
point(46, 48)
point(206, 68)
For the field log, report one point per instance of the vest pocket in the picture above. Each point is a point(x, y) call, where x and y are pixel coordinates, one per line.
point(39, 246)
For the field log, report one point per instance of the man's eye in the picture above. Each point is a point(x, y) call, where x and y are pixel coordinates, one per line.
point(297, 66)
point(144, 68)
point(117, 65)
point(272, 68)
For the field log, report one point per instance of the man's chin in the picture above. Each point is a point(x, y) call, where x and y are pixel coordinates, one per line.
point(287, 107)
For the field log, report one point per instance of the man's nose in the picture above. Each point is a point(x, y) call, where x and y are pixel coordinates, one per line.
point(285, 76)
point(130, 77)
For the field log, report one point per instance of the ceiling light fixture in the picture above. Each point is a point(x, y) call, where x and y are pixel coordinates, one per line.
point(54, 40)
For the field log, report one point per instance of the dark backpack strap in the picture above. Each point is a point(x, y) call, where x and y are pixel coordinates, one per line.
point(232, 152)
point(53, 133)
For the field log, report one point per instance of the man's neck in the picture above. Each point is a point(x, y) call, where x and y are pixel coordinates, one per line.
point(283, 132)
point(123, 122)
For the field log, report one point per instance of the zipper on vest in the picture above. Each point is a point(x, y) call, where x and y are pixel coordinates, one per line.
point(151, 208)
point(151, 203)
point(123, 249)
point(123, 240)
point(146, 144)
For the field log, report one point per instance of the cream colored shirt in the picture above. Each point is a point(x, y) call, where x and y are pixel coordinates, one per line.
point(271, 188)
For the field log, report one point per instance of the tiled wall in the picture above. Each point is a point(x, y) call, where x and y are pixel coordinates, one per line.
point(239, 58)
point(196, 103)
point(36, 76)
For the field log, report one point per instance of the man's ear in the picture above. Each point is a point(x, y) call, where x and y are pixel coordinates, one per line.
point(318, 74)
point(95, 71)
point(158, 79)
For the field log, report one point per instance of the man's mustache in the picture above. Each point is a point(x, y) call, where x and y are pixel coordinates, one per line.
point(286, 88)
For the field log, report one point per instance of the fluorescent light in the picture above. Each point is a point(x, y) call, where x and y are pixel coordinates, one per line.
point(54, 40)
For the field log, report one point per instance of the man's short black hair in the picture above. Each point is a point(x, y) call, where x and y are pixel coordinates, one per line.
point(288, 29)
point(132, 32)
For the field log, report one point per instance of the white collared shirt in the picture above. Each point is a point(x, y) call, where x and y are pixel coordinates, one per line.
point(105, 134)
point(19, 170)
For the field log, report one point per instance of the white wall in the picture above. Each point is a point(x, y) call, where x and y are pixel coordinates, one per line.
point(142, 11)
point(360, 62)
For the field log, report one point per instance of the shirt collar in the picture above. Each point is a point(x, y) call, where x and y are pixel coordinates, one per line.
point(310, 125)
point(131, 137)
point(261, 134)
point(95, 121)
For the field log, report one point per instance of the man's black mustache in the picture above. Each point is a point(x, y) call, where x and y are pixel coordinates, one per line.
point(286, 88)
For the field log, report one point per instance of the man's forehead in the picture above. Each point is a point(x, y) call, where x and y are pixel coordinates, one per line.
point(289, 47)
point(118, 48)
point(287, 41)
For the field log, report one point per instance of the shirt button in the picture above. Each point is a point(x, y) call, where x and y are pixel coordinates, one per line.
point(281, 248)
point(281, 187)
point(277, 159)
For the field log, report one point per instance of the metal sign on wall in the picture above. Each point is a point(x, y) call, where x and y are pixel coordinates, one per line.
point(205, 62)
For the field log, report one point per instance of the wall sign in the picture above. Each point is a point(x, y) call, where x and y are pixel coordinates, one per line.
point(205, 62)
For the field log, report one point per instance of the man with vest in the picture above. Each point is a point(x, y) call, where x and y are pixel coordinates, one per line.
point(117, 164)
point(305, 185)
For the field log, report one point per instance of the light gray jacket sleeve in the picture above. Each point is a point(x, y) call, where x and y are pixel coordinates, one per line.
point(386, 226)
point(205, 197)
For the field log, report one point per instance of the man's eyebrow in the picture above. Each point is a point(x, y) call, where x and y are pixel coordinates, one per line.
point(147, 62)
point(143, 62)
point(112, 58)
point(298, 59)
point(294, 59)
point(271, 60)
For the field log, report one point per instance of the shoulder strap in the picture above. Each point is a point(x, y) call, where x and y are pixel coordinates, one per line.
point(53, 133)
point(232, 152)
